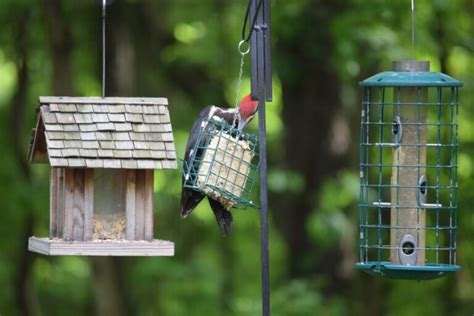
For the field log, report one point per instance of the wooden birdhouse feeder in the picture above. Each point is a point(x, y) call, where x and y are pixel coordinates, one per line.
point(102, 152)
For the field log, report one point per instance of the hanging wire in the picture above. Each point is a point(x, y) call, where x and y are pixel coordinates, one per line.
point(104, 14)
point(247, 15)
point(413, 29)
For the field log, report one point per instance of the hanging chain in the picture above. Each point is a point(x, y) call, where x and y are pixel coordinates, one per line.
point(243, 52)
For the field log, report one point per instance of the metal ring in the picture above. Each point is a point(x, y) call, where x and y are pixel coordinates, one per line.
point(245, 52)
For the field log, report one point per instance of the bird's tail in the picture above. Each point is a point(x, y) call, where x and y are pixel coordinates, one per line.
point(223, 217)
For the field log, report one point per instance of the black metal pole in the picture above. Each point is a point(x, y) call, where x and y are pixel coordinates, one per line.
point(261, 83)
point(264, 208)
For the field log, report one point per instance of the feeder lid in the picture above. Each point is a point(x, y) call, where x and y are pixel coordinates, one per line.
point(410, 79)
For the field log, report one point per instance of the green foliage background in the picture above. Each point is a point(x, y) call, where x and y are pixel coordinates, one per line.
point(186, 50)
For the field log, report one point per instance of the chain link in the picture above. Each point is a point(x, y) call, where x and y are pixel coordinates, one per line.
point(241, 72)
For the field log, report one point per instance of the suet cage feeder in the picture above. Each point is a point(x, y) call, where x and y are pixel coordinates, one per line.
point(408, 173)
point(223, 164)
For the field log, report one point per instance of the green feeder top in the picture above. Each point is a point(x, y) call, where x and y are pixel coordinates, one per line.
point(410, 79)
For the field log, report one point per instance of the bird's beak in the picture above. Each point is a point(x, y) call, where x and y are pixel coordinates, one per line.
point(242, 124)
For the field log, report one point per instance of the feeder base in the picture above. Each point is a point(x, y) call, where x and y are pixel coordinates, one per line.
point(59, 247)
point(402, 272)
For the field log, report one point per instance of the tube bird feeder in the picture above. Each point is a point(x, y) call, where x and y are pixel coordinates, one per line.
point(408, 173)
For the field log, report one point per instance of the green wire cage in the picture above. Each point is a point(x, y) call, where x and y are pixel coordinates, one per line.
point(408, 173)
point(223, 164)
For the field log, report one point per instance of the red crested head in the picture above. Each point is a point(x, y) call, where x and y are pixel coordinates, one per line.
point(247, 109)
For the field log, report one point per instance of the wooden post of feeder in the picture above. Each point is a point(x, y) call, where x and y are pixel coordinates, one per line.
point(408, 219)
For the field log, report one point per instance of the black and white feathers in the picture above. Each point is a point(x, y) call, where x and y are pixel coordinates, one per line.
point(191, 198)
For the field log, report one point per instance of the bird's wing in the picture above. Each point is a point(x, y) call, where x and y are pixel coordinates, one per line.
point(189, 200)
point(207, 113)
point(189, 197)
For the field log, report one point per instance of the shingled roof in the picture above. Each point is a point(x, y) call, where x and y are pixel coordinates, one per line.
point(92, 132)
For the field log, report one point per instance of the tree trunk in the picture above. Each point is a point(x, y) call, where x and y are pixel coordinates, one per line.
point(310, 109)
point(61, 45)
point(108, 295)
point(23, 295)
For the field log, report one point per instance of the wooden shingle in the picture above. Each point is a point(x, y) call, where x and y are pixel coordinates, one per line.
point(88, 153)
point(134, 117)
point(129, 164)
point(65, 118)
point(49, 118)
point(124, 145)
point(123, 127)
point(121, 136)
point(117, 108)
point(88, 127)
point(88, 136)
point(100, 118)
point(71, 127)
point(103, 136)
point(85, 108)
point(123, 154)
point(118, 117)
point(141, 145)
point(106, 133)
point(105, 153)
point(157, 145)
point(153, 119)
point(105, 126)
point(107, 145)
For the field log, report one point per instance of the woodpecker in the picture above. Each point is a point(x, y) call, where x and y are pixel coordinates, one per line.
point(191, 198)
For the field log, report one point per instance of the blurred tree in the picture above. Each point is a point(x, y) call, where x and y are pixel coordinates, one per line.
point(185, 50)
point(311, 99)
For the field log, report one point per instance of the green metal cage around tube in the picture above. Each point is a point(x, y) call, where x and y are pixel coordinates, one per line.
point(408, 173)
point(223, 164)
